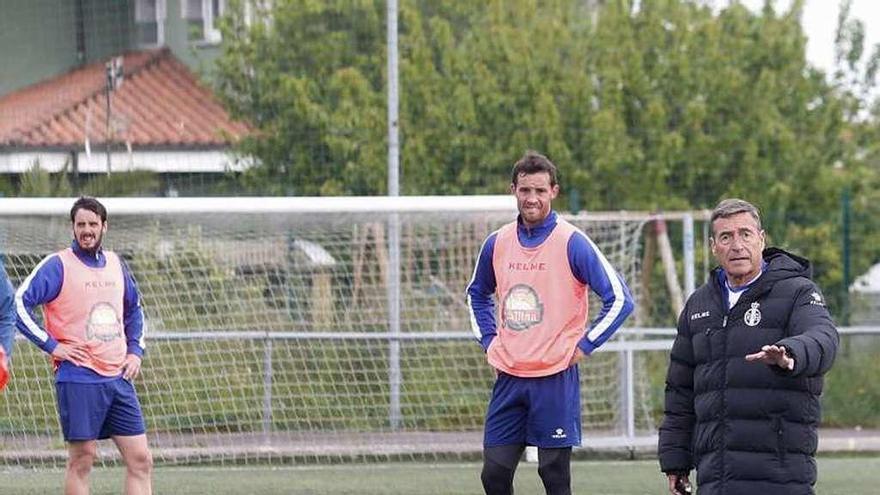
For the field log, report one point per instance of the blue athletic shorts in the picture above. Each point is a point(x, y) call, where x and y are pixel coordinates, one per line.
point(543, 411)
point(95, 411)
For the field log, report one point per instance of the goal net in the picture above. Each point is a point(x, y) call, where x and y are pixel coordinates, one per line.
point(300, 329)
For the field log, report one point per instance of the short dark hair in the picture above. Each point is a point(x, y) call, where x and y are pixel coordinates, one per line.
point(533, 163)
point(734, 206)
point(91, 204)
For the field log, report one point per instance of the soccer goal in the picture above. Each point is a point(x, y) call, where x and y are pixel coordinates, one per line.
point(303, 329)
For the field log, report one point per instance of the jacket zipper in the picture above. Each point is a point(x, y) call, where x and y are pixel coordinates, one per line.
point(780, 431)
point(724, 403)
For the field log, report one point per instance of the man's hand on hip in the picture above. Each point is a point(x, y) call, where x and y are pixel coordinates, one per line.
point(131, 367)
point(577, 357)
point(75, 353)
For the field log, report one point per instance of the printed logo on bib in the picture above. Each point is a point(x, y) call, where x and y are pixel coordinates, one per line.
point(104, 324)
point(522, 308)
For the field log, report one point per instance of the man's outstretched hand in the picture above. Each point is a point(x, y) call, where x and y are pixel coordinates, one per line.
point(774, 355)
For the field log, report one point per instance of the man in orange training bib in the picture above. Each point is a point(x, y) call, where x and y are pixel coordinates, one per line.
point(94, 333)
point(538, 269)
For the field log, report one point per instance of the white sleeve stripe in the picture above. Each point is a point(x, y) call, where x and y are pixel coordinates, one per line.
point(475, 327)
point(29, 322)
point(613, 312)
point(142, 341)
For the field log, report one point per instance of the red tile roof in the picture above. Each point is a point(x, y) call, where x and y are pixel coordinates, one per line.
point(160, 104)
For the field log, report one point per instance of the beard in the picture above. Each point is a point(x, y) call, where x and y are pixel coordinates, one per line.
point(96, 243)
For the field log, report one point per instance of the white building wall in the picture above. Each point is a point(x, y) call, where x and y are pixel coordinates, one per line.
point(96, 162)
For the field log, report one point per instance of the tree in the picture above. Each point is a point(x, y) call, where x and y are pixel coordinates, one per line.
point(855, 80)
point(479, 84)
point(670, 97)
point(643, 105)
point(311, 82)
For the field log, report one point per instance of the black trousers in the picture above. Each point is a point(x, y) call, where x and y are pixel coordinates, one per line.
point(500, 463)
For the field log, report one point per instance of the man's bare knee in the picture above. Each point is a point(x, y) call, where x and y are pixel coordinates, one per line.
point(82, 457)
point(140, 463)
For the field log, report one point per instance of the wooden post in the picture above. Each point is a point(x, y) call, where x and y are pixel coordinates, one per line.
point(322, 299)
point(360, 246)
point(409, 261)
point(648, 257)
point(382, 262)
point(675, 297)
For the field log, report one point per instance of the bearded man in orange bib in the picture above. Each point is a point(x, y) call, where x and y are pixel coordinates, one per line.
point(94, 329)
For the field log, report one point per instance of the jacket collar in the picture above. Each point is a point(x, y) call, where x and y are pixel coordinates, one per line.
point(96, 259)
point(777, 265)
point(539, 231)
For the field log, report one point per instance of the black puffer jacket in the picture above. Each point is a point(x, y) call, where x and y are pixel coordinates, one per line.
point(749, 428)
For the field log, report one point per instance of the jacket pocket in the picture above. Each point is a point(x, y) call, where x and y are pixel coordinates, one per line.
point(701, 345)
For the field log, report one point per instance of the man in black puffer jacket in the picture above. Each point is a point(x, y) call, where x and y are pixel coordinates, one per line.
point(745, 372)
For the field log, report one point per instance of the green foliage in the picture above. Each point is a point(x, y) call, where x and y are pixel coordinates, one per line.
point(38, 182)
point(856, 84)
point(852, 387)
point(204, 286)
point(318, 107)
point(669, 105)
point(31, 384)
point(7, 186)
point(133, 183)
point(685, 105)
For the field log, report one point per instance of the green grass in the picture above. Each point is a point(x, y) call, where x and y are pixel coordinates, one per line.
point(837, 476)
point(851, 396)
point(852, 387)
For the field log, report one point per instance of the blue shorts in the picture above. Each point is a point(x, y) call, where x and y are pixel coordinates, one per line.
point(95, 411)
point(544, 411)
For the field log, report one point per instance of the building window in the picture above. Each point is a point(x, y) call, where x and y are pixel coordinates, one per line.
point(201, 17)
point(149, 22)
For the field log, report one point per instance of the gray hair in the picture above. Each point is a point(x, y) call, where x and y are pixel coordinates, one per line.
point(734, 206)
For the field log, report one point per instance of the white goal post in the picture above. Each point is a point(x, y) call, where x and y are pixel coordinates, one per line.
point(299, 330)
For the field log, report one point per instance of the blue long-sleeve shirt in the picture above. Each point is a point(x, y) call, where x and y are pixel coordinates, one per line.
point(44, 284)
point(7, 312)
point(588, 265)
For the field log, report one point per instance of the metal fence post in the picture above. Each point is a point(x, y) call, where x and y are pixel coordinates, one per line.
point(630, 399)
point(267, 390)
point(394, 221)
point(687, 223)
point(394, 374)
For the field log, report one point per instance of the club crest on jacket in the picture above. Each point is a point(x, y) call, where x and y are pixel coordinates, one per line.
point(753, 315)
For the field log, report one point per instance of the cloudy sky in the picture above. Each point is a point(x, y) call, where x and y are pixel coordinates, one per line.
point(820, 21)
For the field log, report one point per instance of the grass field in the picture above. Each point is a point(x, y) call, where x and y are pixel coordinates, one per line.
point(837, 476)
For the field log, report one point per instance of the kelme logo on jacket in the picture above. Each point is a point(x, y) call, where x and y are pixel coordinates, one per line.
point(753, 315)
point(522, 308)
